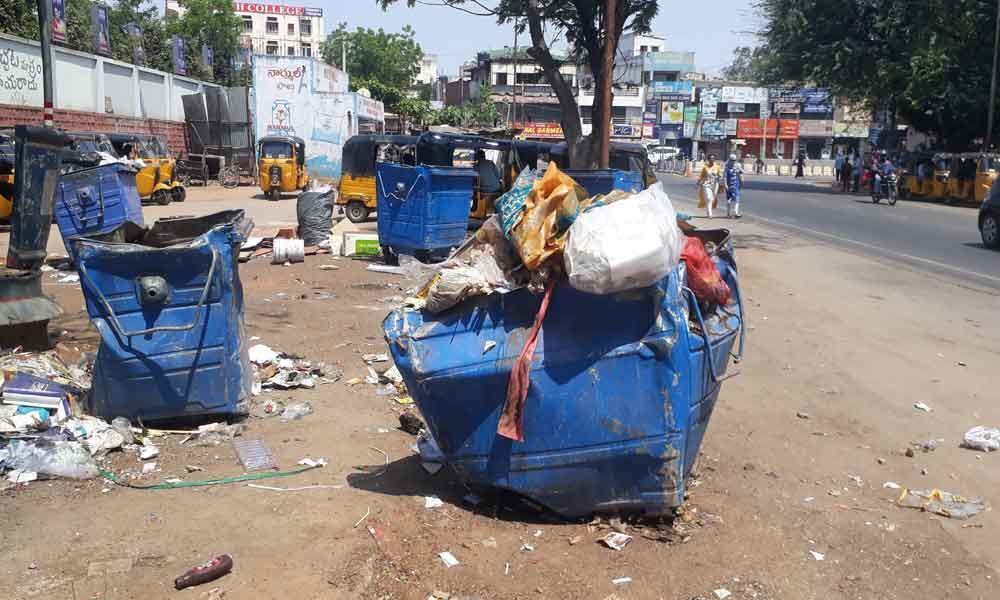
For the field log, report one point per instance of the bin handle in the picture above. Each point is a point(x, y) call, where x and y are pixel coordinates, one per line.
point(708, 339)
point(113, 318)
point(393, 194)
point(743, 330)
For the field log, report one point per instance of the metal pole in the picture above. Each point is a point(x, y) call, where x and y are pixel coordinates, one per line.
point(514, 86)
point(45, 31)
point(993, 84)
point(343, 55)
point(604, 134)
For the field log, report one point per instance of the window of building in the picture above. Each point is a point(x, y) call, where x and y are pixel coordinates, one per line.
point(529, 77)
point(501, 79)
point(271, 48)
point(291, 29)
point(307, 50)
point(247, 24)
point(305, 27)
point(272, 25)
point(291, 51)
point(642, 49)
point(654, 48)
point(618, 115)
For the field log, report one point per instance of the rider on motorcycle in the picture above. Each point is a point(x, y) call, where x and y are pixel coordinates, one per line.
point(884, 170)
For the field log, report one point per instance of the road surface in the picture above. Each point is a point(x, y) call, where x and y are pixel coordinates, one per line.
point(930, 236)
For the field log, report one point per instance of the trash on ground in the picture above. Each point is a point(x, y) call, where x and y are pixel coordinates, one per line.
point(360, 244)
point(942, 503)
point(928, 445)
point(296, 411)
point(254, 455)
point(982, 438)
point(313, 462)
point(393, 375)
point(527, 548)
point(892, 485)
point(314, 210)
point(817, 555)
point(448, 559)
point(433, 502)
point(722, 593)
point(215, 434)
point(411, 423)
point(616, 541)
point(209, 571)
point(278, 370)
point(802, 415)
point(59, 459)
point(404, 400)
point(431, 457)
point(922, 406)
point(21, 476)
point(621, 580)
point(148, 468)
point(147, 452)
point(375, 358)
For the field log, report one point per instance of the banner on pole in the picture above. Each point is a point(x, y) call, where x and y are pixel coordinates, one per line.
point(58, 21)
point(99, 30)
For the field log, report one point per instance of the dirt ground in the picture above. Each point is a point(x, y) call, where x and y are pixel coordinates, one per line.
point(818, 418)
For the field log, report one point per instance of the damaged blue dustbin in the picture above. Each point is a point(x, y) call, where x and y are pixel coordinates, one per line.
point(603, 181)
point(622, 388)
point(96, 200)
point(168, 303)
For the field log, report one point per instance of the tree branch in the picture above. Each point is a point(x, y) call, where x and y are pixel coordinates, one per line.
point(540, 52)
point(492, 13)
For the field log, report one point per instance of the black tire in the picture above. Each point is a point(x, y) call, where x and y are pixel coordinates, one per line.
point(875, 198)
point(178, 194)
point(161, 197)
point(356, 211)
point(989, 230)
point(892, 198)
point(274, 195)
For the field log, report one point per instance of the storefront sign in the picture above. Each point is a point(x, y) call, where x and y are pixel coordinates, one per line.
point(710, 102)
point(690, 114)
point(671, 113)
point(628, 131)
point(816, 100)
point(367, 108)
point(328, 79)
point(688, 130)
point(541, 130)
point(671, 132)
point(731, 126)
point(683, 88)
point(58, 21)
point(735, 107)
point(713, 129)
point(276, 9)
point(746, 95)
point(822, 128)
point(850, 130)
point(786, 108)
point(785, 129)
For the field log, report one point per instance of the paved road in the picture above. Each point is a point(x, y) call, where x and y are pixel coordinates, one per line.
point(929, 236)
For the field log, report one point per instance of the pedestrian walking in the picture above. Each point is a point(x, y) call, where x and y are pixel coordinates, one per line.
point(733, 180)
point(800, 162)
point(855, 172)
point(838, 166)
point(758, 165)
point(845, 175)
point(708, 185)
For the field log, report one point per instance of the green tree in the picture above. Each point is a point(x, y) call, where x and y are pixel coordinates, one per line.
point(748, 64)
point(78, 31)
point(212, 24)
point(383, 63)
point(153, 36)
point(19, 17)
point(927, 62)
point(582, 24)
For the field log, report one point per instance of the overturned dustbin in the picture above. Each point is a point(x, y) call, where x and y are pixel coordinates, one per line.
point(168, 303)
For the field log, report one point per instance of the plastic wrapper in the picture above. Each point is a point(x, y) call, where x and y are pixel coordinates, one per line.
point(627, 243)
point(702, 275)
point(315, 213)
point(982, 438)
point(552, 205)
point(59, 459)
point(941, 503)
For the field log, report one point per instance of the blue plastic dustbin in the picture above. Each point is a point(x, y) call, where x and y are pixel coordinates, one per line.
point(422, 211)
point(168, 304)
point(602, 181)
point(617, 407)
point(96, 200)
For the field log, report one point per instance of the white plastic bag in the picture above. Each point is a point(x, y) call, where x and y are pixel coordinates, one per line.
point(982, 438)
point(628, 244)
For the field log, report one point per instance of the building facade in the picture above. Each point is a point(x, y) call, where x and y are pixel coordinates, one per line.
point(280, 30)
point(428, 72)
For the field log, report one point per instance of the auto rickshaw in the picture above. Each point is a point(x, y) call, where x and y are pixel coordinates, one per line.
point(973, 175)
point(6, 174)
point(155, 179)
point(357, 179)
point(282, 165)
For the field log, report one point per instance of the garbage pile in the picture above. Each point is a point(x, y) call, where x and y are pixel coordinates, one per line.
point(637, 311)
point(283, 371)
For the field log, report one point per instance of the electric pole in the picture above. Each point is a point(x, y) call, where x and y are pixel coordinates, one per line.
point(45, 31)
point(604, 132)
point(987, 140)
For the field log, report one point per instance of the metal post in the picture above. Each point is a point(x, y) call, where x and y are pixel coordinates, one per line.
point(514, 83)
point(993, 84)
point(45, 31)
point(604, 134)
point(343, 55)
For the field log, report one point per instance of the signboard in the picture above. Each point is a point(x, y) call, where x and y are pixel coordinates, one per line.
point(178, 55)
point(671, 113)
point(276, 9)
point(367, 108)
point(690, 114)
point(816, 100)
point(683, 88)
point(541, 130)
point(736, 107)
point(786, 108)
point(713, 129)
point(785, 129)
point(746, 95)
point(710, 102)
point(671, 132)
point(58, 21)
point(328, 79)
point(628, 131)
point(688, 130)
point(822, 128)
point(20, 77)
point(850, 130)
point(99, 30)
point(207, 57)
point(731, 127)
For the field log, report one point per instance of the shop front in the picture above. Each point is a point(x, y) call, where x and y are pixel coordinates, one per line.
point(777, 138)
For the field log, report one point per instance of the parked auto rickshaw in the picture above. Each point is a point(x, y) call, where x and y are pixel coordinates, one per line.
point(357, 192)
point(6, 174)
point(155, 179)
point(623, 157)
point(965, 177)
point(282, 165)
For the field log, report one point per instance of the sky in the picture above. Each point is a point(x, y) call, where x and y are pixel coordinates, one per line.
point(455, 36)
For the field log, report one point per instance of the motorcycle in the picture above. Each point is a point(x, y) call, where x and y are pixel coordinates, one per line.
point(888, 188)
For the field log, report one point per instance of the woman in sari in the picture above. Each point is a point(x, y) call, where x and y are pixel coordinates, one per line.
point(708, 185)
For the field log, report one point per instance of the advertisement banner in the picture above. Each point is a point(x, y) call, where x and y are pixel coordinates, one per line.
point(671, 113)
point(850, 130)
point(785, 129)
point(671, 132)
point(713, 129)
point(626, 131)
point(816, 100)
point(682, 88)
point(541, 130)
point(178, 55)
point(58, 21)
point(822, 128)
point(99, 32)
point(688, 130)
point(710, 102)
point(286, 104)
point(276, 9)
point(746, 95)
point(368, 108)
point(786, 108)
point(134, 33)
point(735, 107)
point(329, 80)
point(690, 114)
point(731, 127)
point(208, 57)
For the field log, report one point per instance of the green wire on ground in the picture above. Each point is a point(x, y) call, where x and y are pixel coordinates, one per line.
point(186, 484)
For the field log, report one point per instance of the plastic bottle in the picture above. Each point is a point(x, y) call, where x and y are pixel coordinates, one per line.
point(210, 571)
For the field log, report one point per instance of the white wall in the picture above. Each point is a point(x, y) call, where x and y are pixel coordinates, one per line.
point(83, 82)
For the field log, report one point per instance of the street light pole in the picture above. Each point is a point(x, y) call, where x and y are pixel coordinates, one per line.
point(45, 31)
point(993, 84)
point(604, 135)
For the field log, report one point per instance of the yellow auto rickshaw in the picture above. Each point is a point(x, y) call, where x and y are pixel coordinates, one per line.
point(972, 176)
point(155, 178)
point(282, 165)
point(6, 174)
point(357, 178)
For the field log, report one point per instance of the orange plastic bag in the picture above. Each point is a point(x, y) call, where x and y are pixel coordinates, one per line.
point(702, 275)
point(552, 206)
